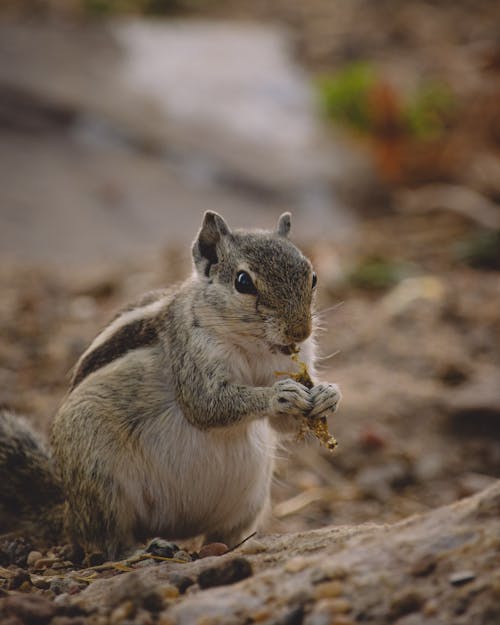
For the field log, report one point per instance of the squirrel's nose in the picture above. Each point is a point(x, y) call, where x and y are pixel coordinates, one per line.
point(299, 332)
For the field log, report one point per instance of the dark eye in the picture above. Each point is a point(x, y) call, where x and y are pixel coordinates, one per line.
point(244, 284)
point(315, 280)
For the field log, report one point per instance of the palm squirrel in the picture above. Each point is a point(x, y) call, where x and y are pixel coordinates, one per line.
point(174, 412)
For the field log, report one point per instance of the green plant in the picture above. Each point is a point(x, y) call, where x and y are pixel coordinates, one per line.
point(344, 95)
point(426, 112)
point(376, 273)
point(357, 97)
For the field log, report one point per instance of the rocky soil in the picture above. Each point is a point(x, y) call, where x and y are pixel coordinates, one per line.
point(437, 568)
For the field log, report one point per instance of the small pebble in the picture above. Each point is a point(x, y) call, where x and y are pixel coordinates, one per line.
point(170, 592)
point(328, 590)
point(336, 606)
point(229, 572)
point(144, 564)
point(295, 565)
point(49, 572)
point(327, 573)
point(462, 577)
point(162, 548)
point(123, 612)
point(33, 556)
point(39, 581)
point(182, 555)
point(213, 549)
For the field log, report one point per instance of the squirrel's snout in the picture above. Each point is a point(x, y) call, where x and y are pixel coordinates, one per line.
point(299, 332)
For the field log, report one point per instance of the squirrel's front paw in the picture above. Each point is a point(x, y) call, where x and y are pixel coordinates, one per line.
point(291, 398)
point(325, 398)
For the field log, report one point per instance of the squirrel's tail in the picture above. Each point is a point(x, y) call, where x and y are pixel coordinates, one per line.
point(31, 497)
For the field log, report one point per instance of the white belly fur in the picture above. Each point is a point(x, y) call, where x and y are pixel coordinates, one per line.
point(207, 482)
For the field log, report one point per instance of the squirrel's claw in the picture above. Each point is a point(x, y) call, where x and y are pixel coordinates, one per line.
point(325, 398)
point(291, 398)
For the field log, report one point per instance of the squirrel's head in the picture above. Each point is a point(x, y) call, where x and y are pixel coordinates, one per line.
point(258, 283)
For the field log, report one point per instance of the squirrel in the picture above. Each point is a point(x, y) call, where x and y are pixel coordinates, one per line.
point(174, 412)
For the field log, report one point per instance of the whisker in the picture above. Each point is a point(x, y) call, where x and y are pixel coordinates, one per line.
point(335, 353)
point(325, 310)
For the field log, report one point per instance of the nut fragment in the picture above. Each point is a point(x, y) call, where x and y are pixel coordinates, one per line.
point(318, 425)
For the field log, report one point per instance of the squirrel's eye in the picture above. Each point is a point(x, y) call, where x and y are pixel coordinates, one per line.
point(244, 284)
point(314, 280)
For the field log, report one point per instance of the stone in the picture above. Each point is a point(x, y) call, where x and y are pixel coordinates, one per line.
point(182, 555)
point(39, 581)
point(162, 548)
point(124, 611)
point(172, 592)
point(33, 557)
point(327, 590)
point(213, 549)
point(294, 565)
point(228, 572)
point(462, 577)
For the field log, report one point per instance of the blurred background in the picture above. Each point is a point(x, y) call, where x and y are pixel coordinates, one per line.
point(376, 124)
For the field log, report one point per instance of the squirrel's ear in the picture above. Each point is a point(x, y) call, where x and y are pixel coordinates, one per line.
point(212, 230)
point(284, 224)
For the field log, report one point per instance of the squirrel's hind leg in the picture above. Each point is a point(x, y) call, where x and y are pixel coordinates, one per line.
point(95, 525)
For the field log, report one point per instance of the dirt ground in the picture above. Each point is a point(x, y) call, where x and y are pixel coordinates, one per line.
point(411, 307)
